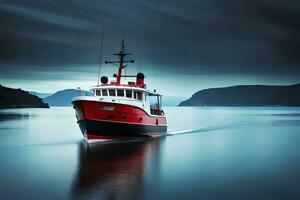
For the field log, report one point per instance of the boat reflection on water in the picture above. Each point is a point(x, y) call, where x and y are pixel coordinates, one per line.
point(115, 170)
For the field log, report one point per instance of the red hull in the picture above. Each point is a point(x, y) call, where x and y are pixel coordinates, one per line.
point(123, 121)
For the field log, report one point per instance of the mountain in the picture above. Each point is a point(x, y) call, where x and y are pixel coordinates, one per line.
point(64, 97)
point(246, 95)
point(17, 98)
point(41, 95)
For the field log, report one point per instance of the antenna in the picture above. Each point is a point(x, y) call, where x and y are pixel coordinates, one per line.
point(141, 57)
point(101, 51)
point(123, 47)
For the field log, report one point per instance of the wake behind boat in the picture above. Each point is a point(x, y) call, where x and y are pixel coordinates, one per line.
point(120, 110)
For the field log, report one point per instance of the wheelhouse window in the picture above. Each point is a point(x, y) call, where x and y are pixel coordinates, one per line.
point(98, 93)
point(112, 92)
point(129, 93)
point(120, 93)
point(104, 93)
point(138, 95)
point(155, 104)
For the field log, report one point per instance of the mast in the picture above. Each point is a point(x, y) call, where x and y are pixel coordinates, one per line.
point(101, 52)
point(121, 62)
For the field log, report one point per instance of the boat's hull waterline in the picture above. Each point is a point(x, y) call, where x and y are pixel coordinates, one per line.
point(102, 120)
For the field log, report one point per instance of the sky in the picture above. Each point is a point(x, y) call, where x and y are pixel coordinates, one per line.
point(181, 46)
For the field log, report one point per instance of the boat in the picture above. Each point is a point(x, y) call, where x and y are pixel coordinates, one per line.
point(120, 109)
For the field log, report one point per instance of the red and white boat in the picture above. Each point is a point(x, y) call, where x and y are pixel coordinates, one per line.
point(120, 110)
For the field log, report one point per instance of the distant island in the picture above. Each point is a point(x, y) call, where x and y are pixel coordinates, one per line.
point(17, 98)
point(64, 97)
point(246, 95)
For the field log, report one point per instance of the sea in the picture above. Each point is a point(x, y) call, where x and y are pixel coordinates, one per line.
point(208, 153)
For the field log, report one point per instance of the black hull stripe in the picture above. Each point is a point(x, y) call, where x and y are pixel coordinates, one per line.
point(103, 128)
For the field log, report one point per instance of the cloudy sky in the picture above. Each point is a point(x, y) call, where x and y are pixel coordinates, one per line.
point(181, 46)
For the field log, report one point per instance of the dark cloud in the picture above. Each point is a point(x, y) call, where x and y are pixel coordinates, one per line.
point(189, 37)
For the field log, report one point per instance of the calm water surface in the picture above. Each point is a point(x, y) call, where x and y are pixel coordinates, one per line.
point(211, 153)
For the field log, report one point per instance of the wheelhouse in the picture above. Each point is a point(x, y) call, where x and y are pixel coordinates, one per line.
point(150, 101)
